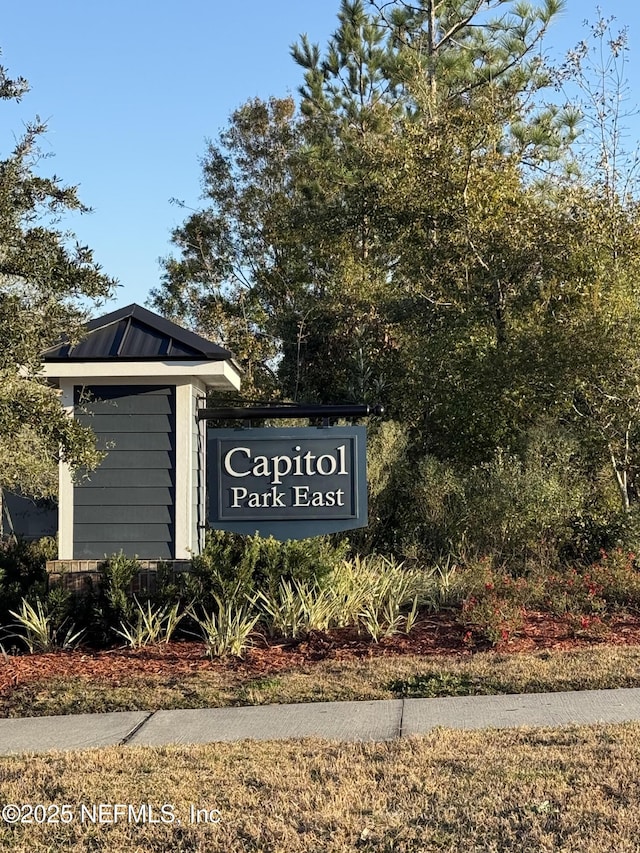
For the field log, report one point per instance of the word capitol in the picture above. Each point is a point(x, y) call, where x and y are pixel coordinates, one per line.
point(240, 462)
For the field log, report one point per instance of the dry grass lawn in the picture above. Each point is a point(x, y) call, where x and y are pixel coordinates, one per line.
point(574, 789)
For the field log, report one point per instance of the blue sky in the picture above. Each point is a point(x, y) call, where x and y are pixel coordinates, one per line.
point(131, 89)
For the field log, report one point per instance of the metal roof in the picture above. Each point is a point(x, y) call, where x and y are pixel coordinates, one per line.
point(133, 333)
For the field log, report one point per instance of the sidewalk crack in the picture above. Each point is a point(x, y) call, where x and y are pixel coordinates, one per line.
point(401, 732)
point(125, 740)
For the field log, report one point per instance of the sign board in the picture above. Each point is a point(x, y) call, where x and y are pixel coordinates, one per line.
point(287, 482)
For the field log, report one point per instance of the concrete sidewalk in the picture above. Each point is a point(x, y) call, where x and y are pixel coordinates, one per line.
point(348, 721)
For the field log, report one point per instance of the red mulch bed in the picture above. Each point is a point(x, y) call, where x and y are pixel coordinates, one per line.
point(437, 634)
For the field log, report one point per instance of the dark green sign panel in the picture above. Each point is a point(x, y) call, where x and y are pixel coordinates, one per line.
point(287, 482)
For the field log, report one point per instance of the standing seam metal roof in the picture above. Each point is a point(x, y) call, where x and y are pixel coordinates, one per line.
point(134, 333)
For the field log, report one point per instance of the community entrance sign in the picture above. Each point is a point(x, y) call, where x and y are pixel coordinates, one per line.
point(143, 383)
point(287, 482)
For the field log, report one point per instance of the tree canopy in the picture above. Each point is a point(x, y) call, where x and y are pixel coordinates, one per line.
point(47, 281)
point(422, 229)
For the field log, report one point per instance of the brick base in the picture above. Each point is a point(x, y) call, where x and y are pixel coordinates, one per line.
point(79, 575)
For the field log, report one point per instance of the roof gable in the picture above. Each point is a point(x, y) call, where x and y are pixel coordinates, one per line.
point(136, 334)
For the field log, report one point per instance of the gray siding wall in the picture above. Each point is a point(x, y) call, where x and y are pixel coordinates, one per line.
point(28, 518)
point(128, 503)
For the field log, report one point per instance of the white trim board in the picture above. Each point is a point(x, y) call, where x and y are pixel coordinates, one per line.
point(216, 374)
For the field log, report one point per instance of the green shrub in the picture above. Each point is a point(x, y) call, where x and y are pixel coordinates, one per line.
point(306, 561)
point(40, 632)
point(495, 601)
point(225, 569)
point(171, 586)
point(23, 571)
point(520, 507)
point(297, 608)
point(536, 503)
point(491, 617)
point(480, 578)
point(112, 602)
point(617, 578)
point(572, 591)
point(234, 567)
point(416, 502)
point(150, 625)
point(226, 628)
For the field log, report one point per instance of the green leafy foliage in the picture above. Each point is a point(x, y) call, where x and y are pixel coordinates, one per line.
point(225, 569)
point(150, 625)
point(533, 507)
point(419, 233)
point(371, 594)
point(38, 630)
point(494, 601)
point(23, 571)
point(170, 585)
point(235, 565)
point(382, 588)
point(226, 628)
point(297, 608)
point(492, 618)
point(111, 603)
point(46, 281)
